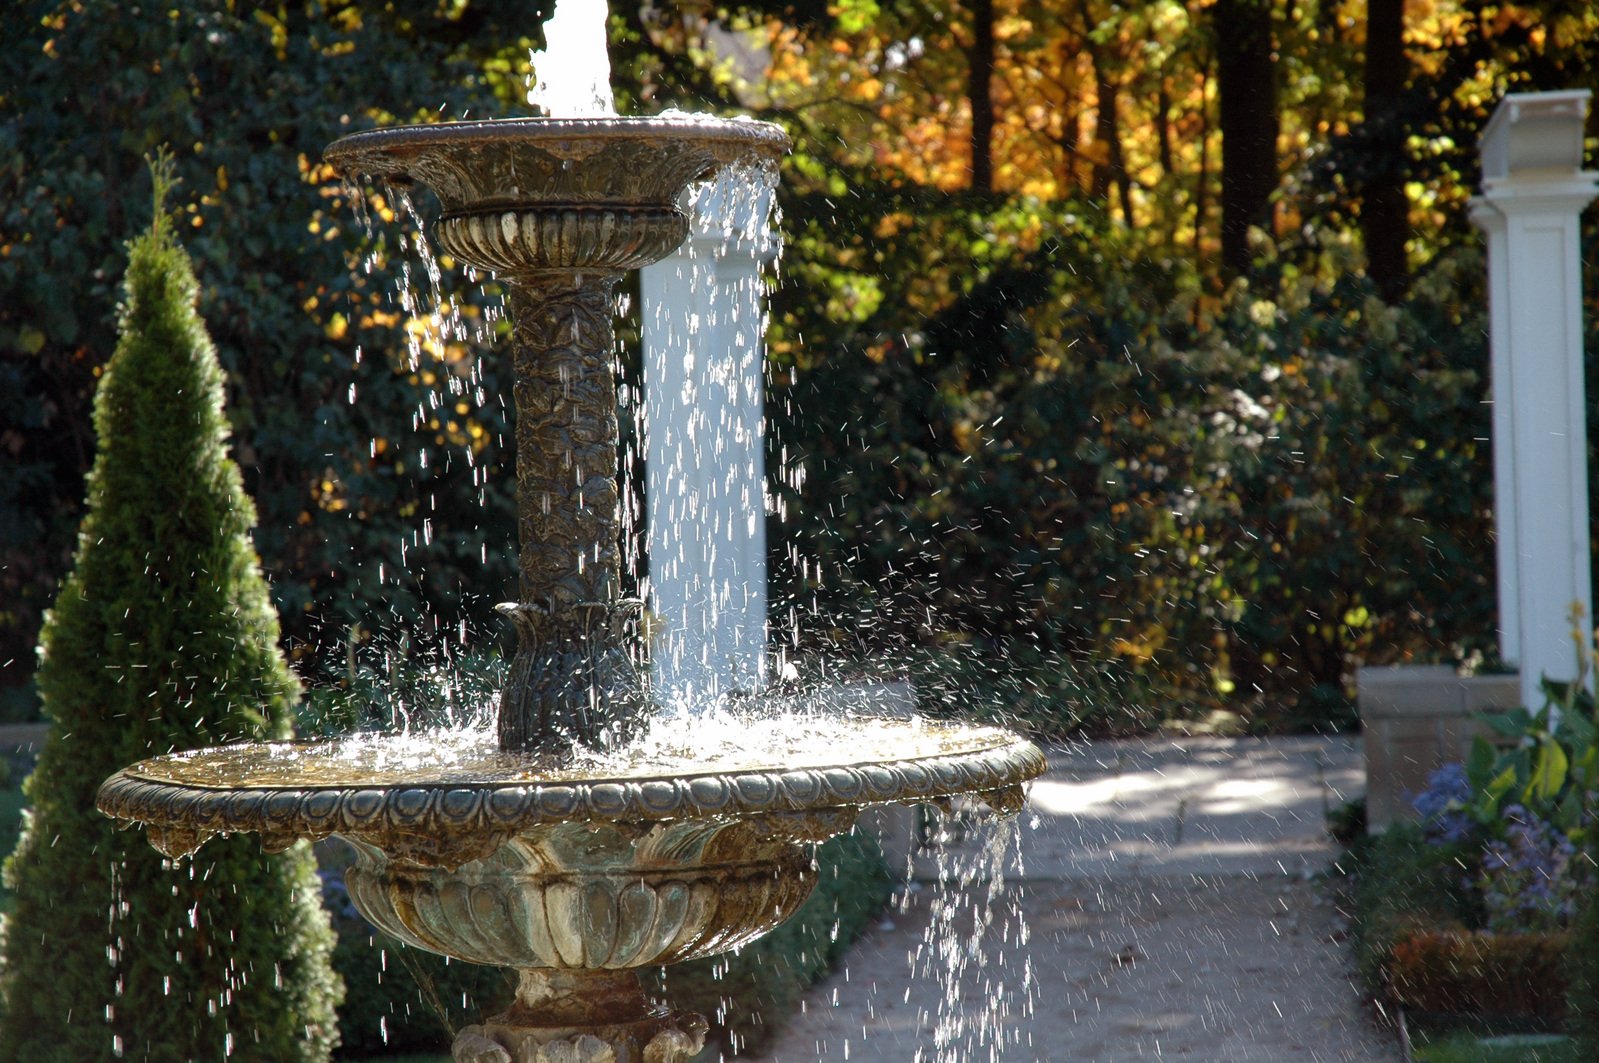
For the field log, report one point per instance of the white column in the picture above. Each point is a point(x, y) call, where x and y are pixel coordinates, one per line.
point(1506, 549)
point(704, 383)
point(1533, 193)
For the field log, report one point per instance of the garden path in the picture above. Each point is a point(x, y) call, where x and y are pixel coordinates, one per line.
point(1173, 910)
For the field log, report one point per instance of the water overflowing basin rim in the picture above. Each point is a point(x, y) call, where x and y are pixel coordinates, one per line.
point(313, 789)
point(674, 127)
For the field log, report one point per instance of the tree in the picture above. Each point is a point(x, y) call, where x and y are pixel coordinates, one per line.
point(980, 83)
point(1246, 80)
point(1385, 212)
point(163, 637)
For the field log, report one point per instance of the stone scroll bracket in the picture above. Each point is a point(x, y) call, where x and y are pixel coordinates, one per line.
point(582, 1017)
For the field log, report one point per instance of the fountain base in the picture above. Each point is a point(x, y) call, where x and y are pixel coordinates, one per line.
point(581, 1017)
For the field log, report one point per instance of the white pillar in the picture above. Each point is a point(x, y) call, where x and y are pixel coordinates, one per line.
point(1533, 192)
point(704, 384)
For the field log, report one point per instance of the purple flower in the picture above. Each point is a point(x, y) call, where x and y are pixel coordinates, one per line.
point(1442, 804)
point(1527, 881)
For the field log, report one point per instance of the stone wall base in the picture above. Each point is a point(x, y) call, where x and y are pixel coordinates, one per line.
point(1417, 718)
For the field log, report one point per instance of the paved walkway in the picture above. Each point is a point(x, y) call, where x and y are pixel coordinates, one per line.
point(1167, 909)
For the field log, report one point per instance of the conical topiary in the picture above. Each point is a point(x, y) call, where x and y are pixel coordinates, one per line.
point(162, 637)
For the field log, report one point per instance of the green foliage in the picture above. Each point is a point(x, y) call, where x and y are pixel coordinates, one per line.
point(1582, 1000)
point(314, 347)
point(1347, 823)
point(1467, 1047)
point(400, 998)
point(405, 693)
point(163, 637)
point(1403, 885)
point(1545, 761)
point(749, 994)
point(1052, 695)
point(1019, 429)
point(12, 804)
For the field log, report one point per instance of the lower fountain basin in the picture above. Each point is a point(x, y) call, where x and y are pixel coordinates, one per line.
point(679, 847)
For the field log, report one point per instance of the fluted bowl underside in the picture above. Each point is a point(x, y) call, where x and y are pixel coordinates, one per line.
point(581, 896)
point(512, 163)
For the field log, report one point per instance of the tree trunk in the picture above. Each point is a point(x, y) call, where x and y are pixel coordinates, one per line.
point(1385, 211)
point(1108, 129)
point(1163, 129)
point(1202, 185)
point(980, 73)
point(1246, 82)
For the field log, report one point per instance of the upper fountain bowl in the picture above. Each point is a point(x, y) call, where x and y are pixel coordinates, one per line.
point(529, 194)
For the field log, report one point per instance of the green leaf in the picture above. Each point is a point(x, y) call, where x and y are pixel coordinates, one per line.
point(855, 16)
point(1583, 769)
point(1480, 763)
point(1548, 773)
point(1512, 724)
point(1568, 815)
point(1576, 730)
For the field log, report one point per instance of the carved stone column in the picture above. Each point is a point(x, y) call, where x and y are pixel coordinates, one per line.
point(575, 677)
point(1533, 195)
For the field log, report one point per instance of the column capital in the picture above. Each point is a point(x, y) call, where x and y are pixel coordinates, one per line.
point(1538, 194)
point(1484, 215)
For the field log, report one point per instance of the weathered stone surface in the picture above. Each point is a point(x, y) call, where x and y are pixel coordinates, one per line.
point(509, 163)
point(438, 820)
point(475, 1048)
point(585, 896)
point(586, 1017)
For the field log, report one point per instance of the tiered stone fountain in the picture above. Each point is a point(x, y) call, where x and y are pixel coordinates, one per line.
point(555, 851)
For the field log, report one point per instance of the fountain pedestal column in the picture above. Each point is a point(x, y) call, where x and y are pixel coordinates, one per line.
point(575, 676)
point(587, 1017)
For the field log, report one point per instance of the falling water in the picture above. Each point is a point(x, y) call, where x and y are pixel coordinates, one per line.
point(703, 425)
point(976, 921)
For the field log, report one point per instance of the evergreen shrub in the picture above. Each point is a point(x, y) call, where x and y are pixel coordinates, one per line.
point(162, 637)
